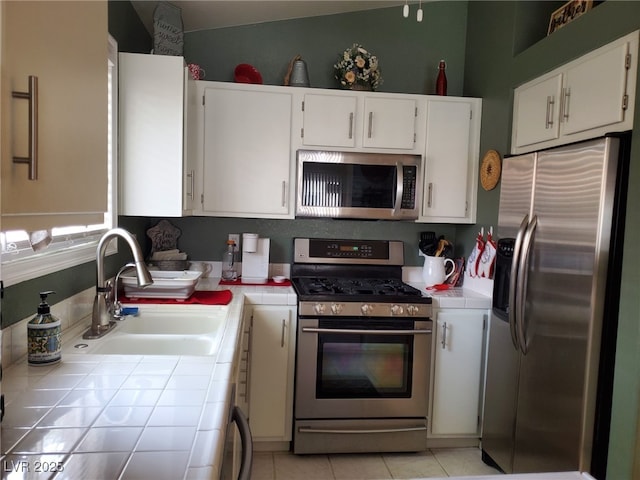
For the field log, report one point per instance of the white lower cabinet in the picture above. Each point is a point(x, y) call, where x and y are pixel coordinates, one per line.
point(271, 369)
point(458, 372)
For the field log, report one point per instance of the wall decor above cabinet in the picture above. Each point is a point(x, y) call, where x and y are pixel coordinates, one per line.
point(157, 93)
point(586, 98)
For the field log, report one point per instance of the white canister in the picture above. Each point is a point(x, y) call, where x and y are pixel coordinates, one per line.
point(433, 271)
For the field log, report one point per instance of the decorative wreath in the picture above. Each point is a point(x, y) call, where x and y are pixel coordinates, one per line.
point(490, 170)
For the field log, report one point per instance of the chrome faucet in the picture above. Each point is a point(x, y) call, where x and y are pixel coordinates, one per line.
point(101, 321)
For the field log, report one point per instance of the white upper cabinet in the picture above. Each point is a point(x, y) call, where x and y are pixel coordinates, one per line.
point(361, 121)
point(586, 98)
point(156, 177)
point(246, 150)
point(63, 45)
point(389, 122)
point(536, 115)
point(449, 188)
point(329, 120)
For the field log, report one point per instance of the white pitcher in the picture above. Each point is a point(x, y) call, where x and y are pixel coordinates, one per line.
point(433, 272)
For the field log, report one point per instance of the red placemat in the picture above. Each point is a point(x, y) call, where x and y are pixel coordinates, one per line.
point(218, 297)
point(270, 283)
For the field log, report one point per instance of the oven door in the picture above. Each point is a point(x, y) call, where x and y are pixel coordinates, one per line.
point(362, 368)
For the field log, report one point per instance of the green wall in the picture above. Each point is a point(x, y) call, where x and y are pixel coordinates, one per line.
point(408, 52)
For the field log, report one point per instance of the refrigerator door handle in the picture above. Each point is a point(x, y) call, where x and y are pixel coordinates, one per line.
point(523, 271)
point(513, 282)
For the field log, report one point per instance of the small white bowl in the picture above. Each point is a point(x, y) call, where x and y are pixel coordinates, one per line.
point(279, 279)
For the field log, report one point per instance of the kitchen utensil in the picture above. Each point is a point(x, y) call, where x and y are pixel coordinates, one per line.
point(428, 243)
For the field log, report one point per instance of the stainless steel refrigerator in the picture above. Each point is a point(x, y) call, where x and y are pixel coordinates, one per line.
point(554, 318)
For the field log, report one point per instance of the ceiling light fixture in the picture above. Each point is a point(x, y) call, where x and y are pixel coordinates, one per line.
point(405, 10)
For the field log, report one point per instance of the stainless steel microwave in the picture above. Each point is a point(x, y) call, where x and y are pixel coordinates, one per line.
point(379, 186)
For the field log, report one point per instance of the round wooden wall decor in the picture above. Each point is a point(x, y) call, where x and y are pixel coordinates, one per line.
point(490, 169)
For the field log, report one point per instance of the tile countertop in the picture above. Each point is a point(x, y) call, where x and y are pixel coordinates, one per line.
point(475, 292)
point(125, 416)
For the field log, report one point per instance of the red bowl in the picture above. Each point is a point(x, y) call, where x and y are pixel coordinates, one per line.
point(245, 73)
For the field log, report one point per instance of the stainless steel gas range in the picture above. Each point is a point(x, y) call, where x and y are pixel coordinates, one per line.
point(363, 350)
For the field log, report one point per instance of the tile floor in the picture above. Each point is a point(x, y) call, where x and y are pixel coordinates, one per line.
point(432, 463)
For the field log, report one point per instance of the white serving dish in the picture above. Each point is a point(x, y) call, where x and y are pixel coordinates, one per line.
point(166, 284)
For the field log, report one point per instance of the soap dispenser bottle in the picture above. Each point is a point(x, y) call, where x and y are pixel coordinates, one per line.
point(43, 335)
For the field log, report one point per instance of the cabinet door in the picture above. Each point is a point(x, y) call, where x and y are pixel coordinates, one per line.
point(272, 355)
point(389, 123)
point(457, 372)
point(594, 93)
point(247, 140)
point(536, 110)
point(153, 90)
point(64, 44)
point(452, 142)
point(329, 120)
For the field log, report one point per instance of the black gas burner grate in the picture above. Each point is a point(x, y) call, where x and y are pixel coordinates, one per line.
point(342, 287)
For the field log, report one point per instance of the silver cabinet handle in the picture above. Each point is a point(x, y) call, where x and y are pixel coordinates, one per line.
point(444, 336)
point(284, 327)
point(350, 125)
point(565, 103)
point(191, 177)
point(430, 195)
point(549, 120)
point(284, 193)
point(370, 124)
point(32, 97)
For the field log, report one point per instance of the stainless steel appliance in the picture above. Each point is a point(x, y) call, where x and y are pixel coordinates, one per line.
point(358, 185)
point(554, 320)
point(363, 350)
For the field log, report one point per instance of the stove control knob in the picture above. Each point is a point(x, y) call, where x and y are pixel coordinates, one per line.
point(397, 310)
point(319, 308)
point(336, 308)
point(413, 310)
point(366, 309)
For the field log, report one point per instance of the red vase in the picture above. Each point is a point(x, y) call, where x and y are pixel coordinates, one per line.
point(441, 81)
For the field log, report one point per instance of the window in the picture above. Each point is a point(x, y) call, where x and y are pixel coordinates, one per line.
point(69, 246)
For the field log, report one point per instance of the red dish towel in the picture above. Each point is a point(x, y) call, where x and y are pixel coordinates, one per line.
point(218, 297)
point(270, 283)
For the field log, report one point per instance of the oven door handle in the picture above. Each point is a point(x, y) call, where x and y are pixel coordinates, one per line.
point(366, 332)
point(381, 430)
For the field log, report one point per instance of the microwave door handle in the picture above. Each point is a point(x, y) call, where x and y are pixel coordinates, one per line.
point(399, 188)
